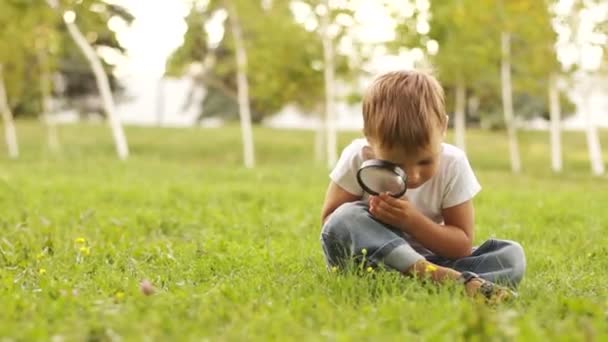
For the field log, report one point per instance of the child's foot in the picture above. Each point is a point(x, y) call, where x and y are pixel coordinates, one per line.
point(490, 292)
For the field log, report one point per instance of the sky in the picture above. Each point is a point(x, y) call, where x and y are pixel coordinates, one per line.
point(157, 30)
point(159, 27)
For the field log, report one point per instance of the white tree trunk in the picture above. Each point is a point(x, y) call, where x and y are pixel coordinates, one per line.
point(593, 141)
point(507, 102)
point(160, 102)
point(10, 133)
point(320, 143)
point(555, 113)
point(51, 126)
point(103, 85)
point(242, 86)
point(330, 106)
point(460, 115)
point(45, 90)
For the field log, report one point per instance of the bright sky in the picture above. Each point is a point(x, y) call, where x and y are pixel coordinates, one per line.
point(159, 27)
point(157, 30)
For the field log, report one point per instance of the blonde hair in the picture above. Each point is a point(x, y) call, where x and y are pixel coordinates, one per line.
point(403, 109)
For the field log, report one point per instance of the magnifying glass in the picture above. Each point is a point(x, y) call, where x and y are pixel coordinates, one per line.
point(377, 176)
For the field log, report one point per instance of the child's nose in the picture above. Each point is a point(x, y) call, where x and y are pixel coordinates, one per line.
point(413, 176)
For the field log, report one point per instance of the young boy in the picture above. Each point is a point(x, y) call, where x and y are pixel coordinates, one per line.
point(429, 231)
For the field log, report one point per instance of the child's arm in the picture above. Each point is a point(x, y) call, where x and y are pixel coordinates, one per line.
point(453, 240)
point(334, 198)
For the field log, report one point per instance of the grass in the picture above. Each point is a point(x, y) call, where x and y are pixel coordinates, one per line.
point(234, 253)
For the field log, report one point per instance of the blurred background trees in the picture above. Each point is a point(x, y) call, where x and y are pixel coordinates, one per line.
point(34, 42)
point(501, 62)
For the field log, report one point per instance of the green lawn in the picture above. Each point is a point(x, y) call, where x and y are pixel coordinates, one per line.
point(234, 254)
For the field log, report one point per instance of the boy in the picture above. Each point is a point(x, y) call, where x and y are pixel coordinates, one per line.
point(430, 230)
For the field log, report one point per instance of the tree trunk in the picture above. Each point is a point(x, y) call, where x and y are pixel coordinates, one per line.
point(242, 85)
point(460, 115)
point(45, 90)
point(329, 71)
point(507, 102)
point(555, 113)
point(10, 133)
point(160, 103)
point(103, 86)
point(593, 141)
point(320, 143)
point(51, 126)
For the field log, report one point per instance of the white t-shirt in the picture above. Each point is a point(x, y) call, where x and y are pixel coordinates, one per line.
point(453, 184)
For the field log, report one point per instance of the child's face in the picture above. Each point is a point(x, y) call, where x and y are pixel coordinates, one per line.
point(419, 166)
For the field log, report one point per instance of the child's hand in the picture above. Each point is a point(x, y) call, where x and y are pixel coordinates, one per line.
point(392, 211)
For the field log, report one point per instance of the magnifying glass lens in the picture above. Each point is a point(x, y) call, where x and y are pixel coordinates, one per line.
point(377, 176)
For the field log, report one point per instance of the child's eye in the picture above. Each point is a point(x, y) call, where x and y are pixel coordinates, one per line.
point(425, 162)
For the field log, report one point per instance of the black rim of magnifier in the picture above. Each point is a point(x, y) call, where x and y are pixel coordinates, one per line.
point(382, 164)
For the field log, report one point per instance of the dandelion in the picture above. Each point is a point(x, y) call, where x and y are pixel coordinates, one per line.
point(364, 251)
point(430, 268)
point(119, 295)
point(85, 250)
point(80, 240)
point(334, 269)
point(42, 271)
point(370, 269)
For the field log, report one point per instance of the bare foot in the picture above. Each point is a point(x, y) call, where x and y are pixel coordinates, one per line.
point(490, 292)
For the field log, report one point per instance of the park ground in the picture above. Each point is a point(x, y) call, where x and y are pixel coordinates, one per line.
point(234, 254)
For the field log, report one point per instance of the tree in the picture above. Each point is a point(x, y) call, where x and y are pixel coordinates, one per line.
point(332, 23)
point(103, 84)
point(507, 101)
point(459, 29)
point(7, 119)
point(264, 64)
point(40, 43)
point(536, 68)
point(582, 31)
point(242, 84)
point(37, 50)
point(281, 54)
point(11, 52)
point(330, 84)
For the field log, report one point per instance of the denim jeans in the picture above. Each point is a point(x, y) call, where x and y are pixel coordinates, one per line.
point(351, 233)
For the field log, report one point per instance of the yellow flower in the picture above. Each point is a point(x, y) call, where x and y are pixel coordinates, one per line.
point(364, 251)
point(334, 269)
point(80, 240)
point(430, 268)
point(42, 271)
point(85, 250)
point(119, 295)
point(40, 256)
point(370, 270)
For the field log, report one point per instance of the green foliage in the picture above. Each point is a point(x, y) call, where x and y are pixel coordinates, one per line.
point(468, 33)
point(21, 35)
point(285, 60)
point(533, 45)
point(34, 42)
point(468, 47)
point(280, 55)
point(234, 254)
point(195, 46)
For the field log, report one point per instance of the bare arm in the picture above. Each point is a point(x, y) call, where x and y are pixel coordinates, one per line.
point(335, 197)
point(452, 240)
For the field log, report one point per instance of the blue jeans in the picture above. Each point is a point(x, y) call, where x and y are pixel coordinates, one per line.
point(351, 229)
